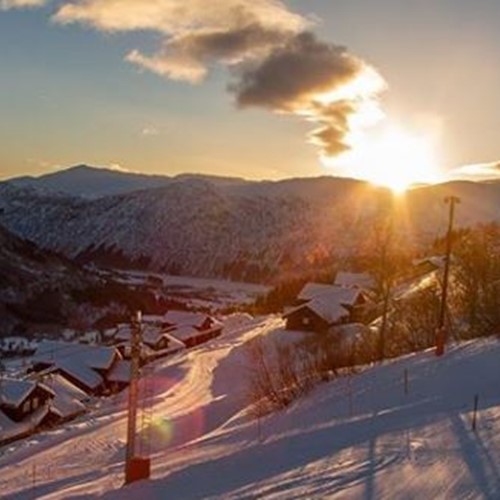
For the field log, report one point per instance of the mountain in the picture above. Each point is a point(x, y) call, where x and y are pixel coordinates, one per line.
point(92, 182)
point(231, 228)
point(35, 283)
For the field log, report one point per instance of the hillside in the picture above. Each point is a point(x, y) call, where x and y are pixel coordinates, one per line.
point(35, 283)
point(253, 231)
point(356, 437)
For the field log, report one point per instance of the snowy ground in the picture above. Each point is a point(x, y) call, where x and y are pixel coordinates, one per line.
point(357, 437)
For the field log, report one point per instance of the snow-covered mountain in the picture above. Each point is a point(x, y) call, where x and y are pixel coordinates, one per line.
point(228, 228)
point(93, 182)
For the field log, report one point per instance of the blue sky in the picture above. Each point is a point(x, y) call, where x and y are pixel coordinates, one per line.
point(68, 96)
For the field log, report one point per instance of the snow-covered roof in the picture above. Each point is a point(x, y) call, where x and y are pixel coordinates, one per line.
point(55, 353)
point(13, 391)
point(62, 386)
point(120, 372)
point(437, 261)
point(85, 375)
point(311, 290)
point(11, 430)
point(66, 406)
point(330, 312)
point(332, 304)
point(354, 280)
point(184, 333)
point(185, 318)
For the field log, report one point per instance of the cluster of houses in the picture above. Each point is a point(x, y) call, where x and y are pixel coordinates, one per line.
point(321, 307)
point(63, 376)
point(351, 299)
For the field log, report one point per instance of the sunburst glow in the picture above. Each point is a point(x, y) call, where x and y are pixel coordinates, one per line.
point(391, 157)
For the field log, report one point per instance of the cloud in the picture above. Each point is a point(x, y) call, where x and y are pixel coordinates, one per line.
point(150, 131)
point(275, 62)
point(478, 172)
point(20, 4)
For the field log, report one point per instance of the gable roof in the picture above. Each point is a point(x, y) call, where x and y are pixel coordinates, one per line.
point(332, 304)
point(120, 372)
point(13, 391)
point(311, 290)
point(184, 332)
point(354, 280)
point(82, 373)
point(185, 318)
point(56, 352)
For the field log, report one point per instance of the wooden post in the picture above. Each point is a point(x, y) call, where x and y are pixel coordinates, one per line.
point(351, 409)
point(132, 395)
point(474, 415)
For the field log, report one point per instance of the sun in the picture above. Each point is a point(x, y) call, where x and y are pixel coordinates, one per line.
point(392, 157)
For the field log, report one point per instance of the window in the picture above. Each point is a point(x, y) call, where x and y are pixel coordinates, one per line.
point(306, 321)
point(26, 407)
point(34, 403)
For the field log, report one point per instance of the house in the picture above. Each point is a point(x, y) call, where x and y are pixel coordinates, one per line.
point(199, 321)
point(331, 307)
point(428, 265)
point(69, 401)
point(85, 366)
point(191, 336)
point(22, 398)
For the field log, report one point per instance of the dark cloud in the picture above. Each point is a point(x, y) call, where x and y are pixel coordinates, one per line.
point(292, 75)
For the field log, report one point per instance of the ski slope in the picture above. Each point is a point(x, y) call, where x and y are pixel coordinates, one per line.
point(360, 436)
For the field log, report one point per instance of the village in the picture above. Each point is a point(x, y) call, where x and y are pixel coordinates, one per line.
point(46, 383)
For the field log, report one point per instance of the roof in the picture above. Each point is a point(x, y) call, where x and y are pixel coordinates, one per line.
point(330, 312)
point(10, 429)
point(311, 290)
point(13, 391)
point(354, 280)
point(85, 375)
point(54, 353)
point(438, 261)
point(151, 335)
point(120, 372)
point(61, 385)
point(332, 304)
point(185, 332)
point(66, 406)
point(185, 318)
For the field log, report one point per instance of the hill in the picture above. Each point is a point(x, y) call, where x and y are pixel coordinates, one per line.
point(359, 436)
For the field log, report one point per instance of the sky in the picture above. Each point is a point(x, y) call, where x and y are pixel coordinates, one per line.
point(262, 89)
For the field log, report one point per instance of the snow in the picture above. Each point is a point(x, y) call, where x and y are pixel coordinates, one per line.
point(359, 436)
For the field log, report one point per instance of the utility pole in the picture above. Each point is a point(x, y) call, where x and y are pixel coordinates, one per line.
point(441, 329)
point(132, 396)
